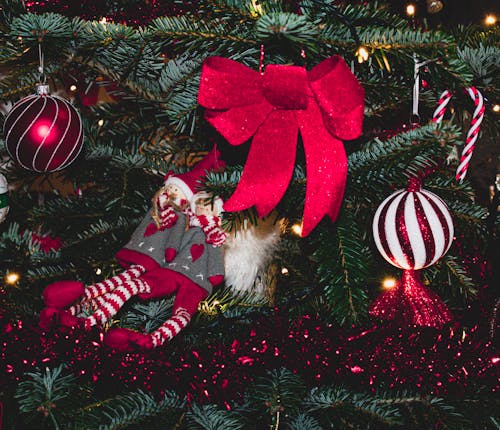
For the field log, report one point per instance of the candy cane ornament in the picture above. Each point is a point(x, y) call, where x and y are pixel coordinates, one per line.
point(473, 132)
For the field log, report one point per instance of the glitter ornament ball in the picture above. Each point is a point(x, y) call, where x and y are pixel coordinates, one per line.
point(4, 199)
point(43, 133)
point(413, 228)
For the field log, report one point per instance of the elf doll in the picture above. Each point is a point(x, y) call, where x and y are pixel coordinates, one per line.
point(158, 242)
point(196, 269)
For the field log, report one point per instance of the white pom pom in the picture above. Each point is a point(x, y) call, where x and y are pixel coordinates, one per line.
point(248, 251)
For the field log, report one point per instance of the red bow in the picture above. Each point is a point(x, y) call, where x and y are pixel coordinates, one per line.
point(326, 104)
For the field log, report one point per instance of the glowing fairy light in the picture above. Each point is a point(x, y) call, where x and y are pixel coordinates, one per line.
point(410, 9)
point(12, 278)
point(297, 229)
point(490, 19)
point(362, 54)
point(388, 283)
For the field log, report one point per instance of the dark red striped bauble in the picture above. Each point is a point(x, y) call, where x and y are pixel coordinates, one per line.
point(412, 229)
point(43, 133)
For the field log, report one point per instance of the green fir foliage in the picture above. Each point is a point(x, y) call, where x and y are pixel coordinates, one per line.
point(155, 125)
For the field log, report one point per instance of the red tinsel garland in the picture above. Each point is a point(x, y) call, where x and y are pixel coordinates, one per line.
point(426, 360)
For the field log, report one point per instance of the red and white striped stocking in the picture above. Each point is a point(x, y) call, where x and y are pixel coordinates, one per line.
point(96, 290)
point(90, 304)
point(109, 304)
point(171, 327)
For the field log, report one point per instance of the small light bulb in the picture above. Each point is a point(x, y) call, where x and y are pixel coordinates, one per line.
point(362, 54)
point(103, 20)
point(12, 278)
point(100, 123)
point(72, 88)
point(496, 108)
point(490, 19)
point(297, 229)
point(284, 271)
point(410, 9)
point(388, 283)
point(98, 271)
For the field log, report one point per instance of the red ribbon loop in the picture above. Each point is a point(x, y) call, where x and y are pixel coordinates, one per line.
point(326, 104)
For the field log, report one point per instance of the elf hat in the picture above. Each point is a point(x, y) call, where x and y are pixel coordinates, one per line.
point(189, 182)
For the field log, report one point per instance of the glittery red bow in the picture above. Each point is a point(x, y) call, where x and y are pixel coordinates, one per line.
point(326, 104)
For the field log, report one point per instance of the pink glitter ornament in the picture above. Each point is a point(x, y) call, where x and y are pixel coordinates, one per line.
point(43, 133)
point(412, 229)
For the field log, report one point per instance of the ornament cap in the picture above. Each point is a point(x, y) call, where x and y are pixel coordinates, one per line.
point(42, 89)
point(414, 185)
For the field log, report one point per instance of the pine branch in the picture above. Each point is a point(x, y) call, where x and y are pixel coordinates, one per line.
point(148, 316)
point(45, 394)
point(279, 394)
point(210, 417)
point(343, 264)
point(359, 409)
point(126, 409)
point(304, 422)
point(451, 274)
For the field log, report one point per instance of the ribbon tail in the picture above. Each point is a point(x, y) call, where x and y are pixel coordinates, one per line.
point(239, 124)
point(269, 165)
point(326, 168)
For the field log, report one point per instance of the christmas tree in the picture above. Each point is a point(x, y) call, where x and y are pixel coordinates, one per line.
point(322, 116)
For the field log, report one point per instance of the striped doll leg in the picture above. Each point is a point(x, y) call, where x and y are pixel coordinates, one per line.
point(108, 305)
point(186, 304)
point(100, 288)
point(88, 304)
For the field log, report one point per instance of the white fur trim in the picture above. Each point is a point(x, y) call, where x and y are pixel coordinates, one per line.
point(248, 251)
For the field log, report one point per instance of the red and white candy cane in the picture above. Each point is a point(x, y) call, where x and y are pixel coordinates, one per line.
point(473, 132)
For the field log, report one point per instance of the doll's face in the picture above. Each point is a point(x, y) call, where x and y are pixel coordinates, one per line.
point(204, 207)
point(175, 193)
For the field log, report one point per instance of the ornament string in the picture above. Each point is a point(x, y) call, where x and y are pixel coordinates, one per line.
point(472, 133)
point(261, 59)
point(43, 79)
point(415, 117)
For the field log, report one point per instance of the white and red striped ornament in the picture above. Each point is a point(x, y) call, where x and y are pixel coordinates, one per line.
point(412, 229)
point(43, 133)
point(472, 133)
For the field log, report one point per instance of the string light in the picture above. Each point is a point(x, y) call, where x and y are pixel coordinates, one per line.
point(72, 88)
point(103, 20)
point(98, 271)
point(284, 271)
point(100, 123)
point(490, 19)
point(496, 108)
point(297, 229)
point(388, 283)
point(362, 54)
point(12, 278)
point(410, 9)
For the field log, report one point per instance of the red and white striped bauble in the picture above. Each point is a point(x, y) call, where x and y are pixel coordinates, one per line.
point(413, 228)
point(43, 133)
